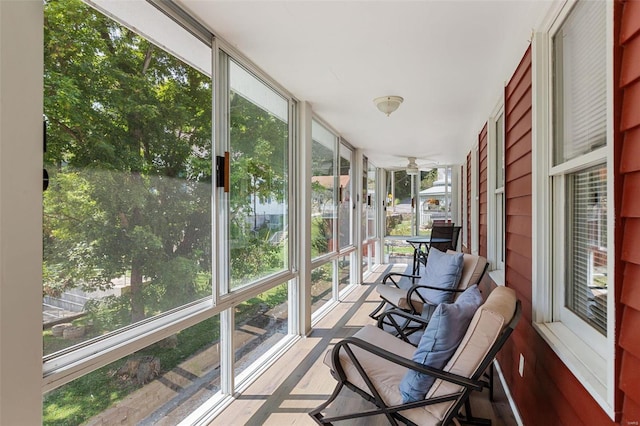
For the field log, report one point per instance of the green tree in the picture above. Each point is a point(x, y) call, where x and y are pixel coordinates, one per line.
point(427, 178)
point(129, 154)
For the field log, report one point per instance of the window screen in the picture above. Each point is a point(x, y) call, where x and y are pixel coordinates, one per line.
point(587, 246)
point(580, 127)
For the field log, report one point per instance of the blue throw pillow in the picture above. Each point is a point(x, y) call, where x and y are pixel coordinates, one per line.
point(443, 270)
point(439, 342)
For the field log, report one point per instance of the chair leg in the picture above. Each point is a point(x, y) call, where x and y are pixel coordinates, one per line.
point(491, 382)
point(468, 418)
point(316, 413)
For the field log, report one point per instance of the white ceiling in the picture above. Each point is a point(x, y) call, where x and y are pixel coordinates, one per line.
point(449, 60)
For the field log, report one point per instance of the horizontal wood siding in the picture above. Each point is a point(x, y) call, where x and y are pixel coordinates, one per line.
point(483, 150)
point(518, 262)
point(629, 185)
point(547, 394)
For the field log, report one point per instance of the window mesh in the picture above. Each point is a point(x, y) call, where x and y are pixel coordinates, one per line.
point(587, 246)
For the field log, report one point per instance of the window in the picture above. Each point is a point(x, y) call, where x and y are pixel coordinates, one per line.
point(323, 190)
point(345, 193)
point(573, 307)
point(324, 215)
point(127, 216)
point(131, 212)
point(586, 246)
point(580, 127)
point(258, 196)
point(369, 216)
point(400, 217)
point(496, 182)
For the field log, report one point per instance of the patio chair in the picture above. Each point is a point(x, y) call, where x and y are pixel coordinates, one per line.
point(449, 233)
point(374, 364)
point(410, 328)
point(414, 298)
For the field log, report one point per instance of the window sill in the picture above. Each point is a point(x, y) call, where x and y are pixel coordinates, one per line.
point(498, 277)
point(586, 364)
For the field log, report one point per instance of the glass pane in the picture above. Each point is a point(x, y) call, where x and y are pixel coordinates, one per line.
point(364, 206)
point(368, 256)
point(500, 228)
point(127, 216)
point(323, 191)
point(161, 384)
point(580, 82)
point(344, 271)
point(258, 199)
point(431, 199)
point(500, 152)
point(345, 214)
point(260, 323)
point(399, 212)
point(586, 245)
point(372, 204)
point(321, 286)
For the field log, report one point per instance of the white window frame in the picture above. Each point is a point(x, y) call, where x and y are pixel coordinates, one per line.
point(495, 214)
point(593, 364)
point(76, 362)
point(475, 199)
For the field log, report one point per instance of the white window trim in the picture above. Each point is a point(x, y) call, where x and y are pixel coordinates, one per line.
point(594, 371)
point(475, 199)
point(493, 245)
point(465, 207)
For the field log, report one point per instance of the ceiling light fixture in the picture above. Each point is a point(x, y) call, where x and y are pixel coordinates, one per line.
point(388, 104)
point(412, 168)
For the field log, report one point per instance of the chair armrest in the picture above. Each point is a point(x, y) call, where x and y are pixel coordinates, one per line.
point(414, 293)
point(397, 359)
point(403, 314)
point(390, 276)
point(404, 324)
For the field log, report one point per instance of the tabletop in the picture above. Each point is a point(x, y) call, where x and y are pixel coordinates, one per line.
point(427, 240)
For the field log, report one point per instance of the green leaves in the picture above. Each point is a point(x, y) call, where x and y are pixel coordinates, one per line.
point(129, 154)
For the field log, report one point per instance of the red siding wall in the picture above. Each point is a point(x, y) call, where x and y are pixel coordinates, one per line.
point(467, 242)
point(547, 394)
point(629, 340)
point(482, 191)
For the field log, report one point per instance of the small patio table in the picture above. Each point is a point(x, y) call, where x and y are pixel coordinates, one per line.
point(418, 242)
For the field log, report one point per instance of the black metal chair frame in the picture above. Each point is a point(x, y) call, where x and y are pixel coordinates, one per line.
point(411, 324)
point(413, 291)
point(393, 413)
point(444, 231)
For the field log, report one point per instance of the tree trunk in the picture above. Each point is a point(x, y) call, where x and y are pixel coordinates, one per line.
point(137, 298)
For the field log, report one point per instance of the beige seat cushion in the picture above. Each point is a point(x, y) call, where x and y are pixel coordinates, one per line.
point(485, 328)
point(385, 375)
point(472, 268)
point(397, 297)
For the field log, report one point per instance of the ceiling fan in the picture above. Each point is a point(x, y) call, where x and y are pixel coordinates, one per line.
point(412, 168)
point(415, 165)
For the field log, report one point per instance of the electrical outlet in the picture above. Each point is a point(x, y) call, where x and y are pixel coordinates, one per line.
point(521, 366)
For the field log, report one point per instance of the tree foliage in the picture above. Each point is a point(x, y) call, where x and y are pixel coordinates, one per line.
point(129, 154)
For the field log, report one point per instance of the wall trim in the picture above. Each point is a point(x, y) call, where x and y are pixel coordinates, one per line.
point(507, 392)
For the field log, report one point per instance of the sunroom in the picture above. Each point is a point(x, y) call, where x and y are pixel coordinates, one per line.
point(222, 176)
